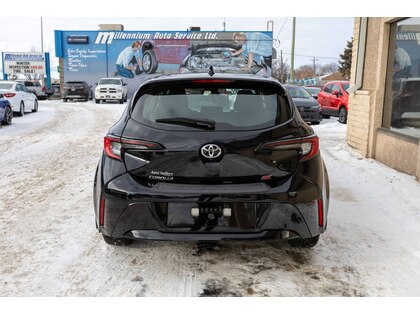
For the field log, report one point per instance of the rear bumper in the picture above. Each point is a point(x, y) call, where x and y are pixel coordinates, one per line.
point(162, 236)
point(75, 96)
point(311, 115)
point(139, 212)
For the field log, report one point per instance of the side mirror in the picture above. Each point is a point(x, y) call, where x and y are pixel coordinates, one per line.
point(335, 93)
point(90, 86)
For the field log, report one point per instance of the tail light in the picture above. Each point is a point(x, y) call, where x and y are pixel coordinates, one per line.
point(113, 146)
point(9, 94)
point(43, 88)
point(320, 213)
point(102, 212)
point(309, 146)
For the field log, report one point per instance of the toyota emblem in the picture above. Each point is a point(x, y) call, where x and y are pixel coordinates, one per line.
point(211, 151)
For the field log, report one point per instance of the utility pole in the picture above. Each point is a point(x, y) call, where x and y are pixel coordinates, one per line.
point(270, 25)
point(224, 24)
point(42, 37)
point(281, 66)
point(292, 61)
point(314, 67)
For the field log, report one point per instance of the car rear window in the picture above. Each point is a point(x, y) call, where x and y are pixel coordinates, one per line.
point(5, 86)
point(232, 106)
point(74, 83)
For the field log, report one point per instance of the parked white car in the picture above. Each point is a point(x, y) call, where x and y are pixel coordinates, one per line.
point(111, 89)
point(20, 98)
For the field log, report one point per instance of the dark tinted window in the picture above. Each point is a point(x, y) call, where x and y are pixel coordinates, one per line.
point(402, 94)
point(28, 83)
point(75, 83)
point(328, 88)
point(237, 106)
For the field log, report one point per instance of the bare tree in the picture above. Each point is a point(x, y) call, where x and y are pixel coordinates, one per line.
point(304, 72)
point(328, 68)
point(280, 70)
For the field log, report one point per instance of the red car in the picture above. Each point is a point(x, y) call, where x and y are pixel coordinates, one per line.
point(334, 99)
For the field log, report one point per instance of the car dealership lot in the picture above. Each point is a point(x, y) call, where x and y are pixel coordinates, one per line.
point(49, 245)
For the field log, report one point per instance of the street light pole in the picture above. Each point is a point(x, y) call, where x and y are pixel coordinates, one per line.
point(292, 61)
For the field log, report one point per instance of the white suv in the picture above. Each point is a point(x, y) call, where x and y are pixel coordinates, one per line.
point(36, 87)
point(111, 89)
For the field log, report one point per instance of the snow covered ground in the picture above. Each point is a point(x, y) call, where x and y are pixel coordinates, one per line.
point(49, 245)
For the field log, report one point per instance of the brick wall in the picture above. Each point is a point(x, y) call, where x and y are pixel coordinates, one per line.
point(358, 121)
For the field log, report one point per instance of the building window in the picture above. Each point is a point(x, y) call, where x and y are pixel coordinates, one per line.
point(402, 96)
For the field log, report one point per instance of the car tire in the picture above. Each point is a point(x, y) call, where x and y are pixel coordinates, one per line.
point(21, 111)
point(35, 106)
point(342, 115)
point(149, 62)
point(8, 115)
point(326, 116)
point(97, 101)
point(304, 242)
point(315, 122)
point(125, 98)
point(65, 100)
point(122, 101)
point(117, 240)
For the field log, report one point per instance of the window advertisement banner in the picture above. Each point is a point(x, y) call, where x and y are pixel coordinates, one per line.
point(24, 63)
point(135, 56)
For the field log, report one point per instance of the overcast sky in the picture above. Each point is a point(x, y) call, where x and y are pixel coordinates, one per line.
point(324, 38)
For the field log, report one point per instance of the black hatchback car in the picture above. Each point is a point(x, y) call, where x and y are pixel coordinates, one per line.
point(307, 105)
point(205, 158)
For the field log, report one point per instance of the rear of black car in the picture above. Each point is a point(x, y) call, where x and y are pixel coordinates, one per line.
point(76, 90)
point(208, 158)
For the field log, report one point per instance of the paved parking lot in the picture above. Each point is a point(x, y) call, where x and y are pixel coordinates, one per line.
point(49, 245)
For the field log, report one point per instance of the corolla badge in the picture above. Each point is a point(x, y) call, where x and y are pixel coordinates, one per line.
point(211, 151)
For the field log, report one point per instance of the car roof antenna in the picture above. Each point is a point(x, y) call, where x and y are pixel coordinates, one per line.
point(211, 71)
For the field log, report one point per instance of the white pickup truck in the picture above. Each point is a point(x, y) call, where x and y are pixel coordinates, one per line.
point(111, 89)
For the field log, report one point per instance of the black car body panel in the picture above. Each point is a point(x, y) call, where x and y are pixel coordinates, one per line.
point(149, 186)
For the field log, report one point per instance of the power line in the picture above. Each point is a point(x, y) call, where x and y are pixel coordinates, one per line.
point(277, 41)
point(281, 28)
point(312, 56)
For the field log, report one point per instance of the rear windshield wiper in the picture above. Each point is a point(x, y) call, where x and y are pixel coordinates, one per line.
point(190, 122)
